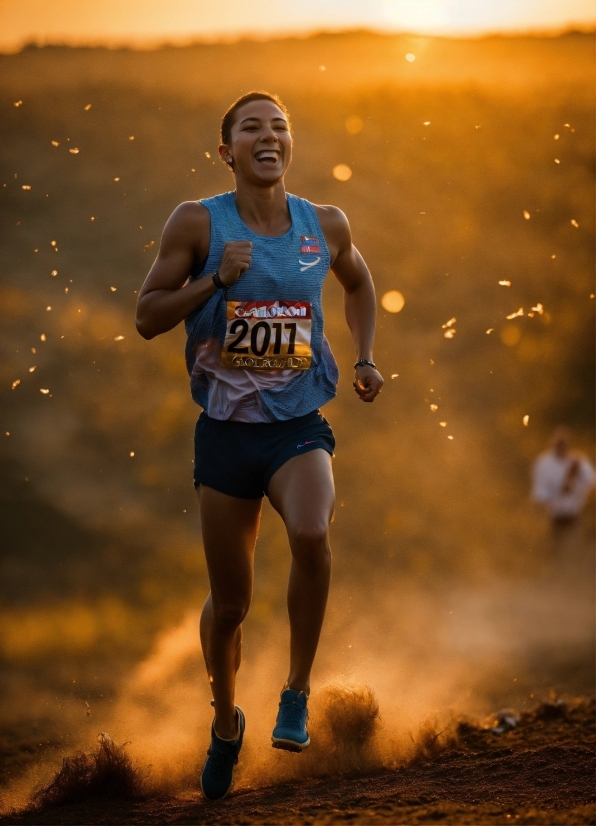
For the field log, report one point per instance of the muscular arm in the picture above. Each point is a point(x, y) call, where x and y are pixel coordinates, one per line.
point(165, 298)
point(349, 268)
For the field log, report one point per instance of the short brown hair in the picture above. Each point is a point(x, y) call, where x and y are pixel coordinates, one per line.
point(229, 118)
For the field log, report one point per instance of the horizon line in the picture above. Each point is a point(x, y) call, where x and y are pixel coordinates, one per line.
point(186, 41)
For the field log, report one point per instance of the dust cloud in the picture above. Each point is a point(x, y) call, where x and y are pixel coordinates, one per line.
point(448, 598)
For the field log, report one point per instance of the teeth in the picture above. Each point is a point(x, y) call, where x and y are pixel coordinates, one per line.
point(266, 155)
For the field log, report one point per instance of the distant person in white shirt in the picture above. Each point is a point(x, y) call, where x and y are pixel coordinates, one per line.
point(562, 480)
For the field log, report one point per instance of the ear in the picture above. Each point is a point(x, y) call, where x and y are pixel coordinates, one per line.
point(224, 154)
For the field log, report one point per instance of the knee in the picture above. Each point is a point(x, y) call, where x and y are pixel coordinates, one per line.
point(230, 614)
point(310, 546)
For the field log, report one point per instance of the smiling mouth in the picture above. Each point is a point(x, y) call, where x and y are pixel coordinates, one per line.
point(267, 156)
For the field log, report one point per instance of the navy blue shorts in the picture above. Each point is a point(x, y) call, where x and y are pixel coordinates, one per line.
point(239, 458)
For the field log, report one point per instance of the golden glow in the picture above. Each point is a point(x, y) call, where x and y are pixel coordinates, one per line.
point(510, 335)
point(393, 301)
point(143, 23)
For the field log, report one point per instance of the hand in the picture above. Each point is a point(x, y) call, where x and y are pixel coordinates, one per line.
point(368, 383)
point(235, 260)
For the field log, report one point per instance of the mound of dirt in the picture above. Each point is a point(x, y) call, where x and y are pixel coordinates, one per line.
point(536, 769)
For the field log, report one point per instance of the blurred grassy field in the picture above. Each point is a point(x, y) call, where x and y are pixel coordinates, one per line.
point(101, 548)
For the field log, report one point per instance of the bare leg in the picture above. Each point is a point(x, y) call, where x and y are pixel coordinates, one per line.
point(229, 527)
point(303, 493)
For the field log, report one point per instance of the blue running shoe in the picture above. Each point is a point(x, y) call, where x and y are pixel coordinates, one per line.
point(290, 730)
point(218, 772)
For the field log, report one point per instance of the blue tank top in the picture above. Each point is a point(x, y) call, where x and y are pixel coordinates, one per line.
point(278, 304)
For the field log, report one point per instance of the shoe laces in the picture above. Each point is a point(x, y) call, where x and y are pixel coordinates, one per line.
point(219, 762)
point(292, 713)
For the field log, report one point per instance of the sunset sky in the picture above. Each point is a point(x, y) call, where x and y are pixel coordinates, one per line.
point(147, 22)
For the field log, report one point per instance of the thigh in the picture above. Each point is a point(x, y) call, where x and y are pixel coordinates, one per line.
point(229, 526)
point(302, 491)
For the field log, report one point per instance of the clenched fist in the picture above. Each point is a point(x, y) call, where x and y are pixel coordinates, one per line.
point(235, 260)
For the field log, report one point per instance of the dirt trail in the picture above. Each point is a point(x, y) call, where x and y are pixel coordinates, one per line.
point(540, 772)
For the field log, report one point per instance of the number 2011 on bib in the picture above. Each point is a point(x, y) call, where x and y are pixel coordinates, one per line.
point(268, 335)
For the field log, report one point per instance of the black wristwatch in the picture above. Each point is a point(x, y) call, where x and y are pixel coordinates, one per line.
point(365, 363)
point(217, 281)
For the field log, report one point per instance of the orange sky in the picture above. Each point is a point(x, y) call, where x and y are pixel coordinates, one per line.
point(146, 22)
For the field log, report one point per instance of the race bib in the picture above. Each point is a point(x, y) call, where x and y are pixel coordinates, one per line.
point(268, 335)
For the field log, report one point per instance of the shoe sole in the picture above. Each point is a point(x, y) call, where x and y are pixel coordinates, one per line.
point(289, 745)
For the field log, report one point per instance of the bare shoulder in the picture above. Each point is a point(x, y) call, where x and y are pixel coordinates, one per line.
point(189, 224)
point(335, 226)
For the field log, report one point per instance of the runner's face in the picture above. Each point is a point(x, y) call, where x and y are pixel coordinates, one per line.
point(260, 144)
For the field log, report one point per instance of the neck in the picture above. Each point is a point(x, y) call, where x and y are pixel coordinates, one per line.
point(263, 209)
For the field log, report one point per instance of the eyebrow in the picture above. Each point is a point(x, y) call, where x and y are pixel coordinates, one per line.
point(244, 120)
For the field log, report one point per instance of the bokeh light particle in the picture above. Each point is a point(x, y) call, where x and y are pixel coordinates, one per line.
point(393, 301)
point(510, 335)
point(410, 57)
point(354, 124)
point(342, 172)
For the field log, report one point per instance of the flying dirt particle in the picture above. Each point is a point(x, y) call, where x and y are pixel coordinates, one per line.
point(44, 390)
point(15, 383)
point(449, 323)
point(322, 68)
point(53, 243)
point(505, 283)
point(354, 124)
point(48, 309)
point(515, 315)
point(557, 136)
point(88, 709)
point(490, 330)
point(113, 289)
point(449, 333)
point(66, 289)
point(426, 123)
point(443, 424)
point(116, 338)
point(32, 369)
point(395, 375)
point(342, 172)
point(149, 245)
point(7, 433)
point(434, 408)
point(526, 420)
point(450, 437)
point(26, 186)
point(18, 103)
point(410, 57)
point(192, 170)
point(477, 127)
point(393, 301)
point(92, 218)
point(87, 107)
point(42, 337)
point(431, 362)
point(526, 215)
point(557, 160)
point(207, 154)
point(33, 350)
point(553, 256)
point(116, 179)
point(75, 150)
point(131, 454)
point(591, 295)
point(538, 309)
point(55, 143)
point(574, 223)
point(131, 137)
point(506, 719)
point(54, 273)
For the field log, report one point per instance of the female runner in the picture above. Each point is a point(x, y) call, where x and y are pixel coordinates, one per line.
point(246, 270)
